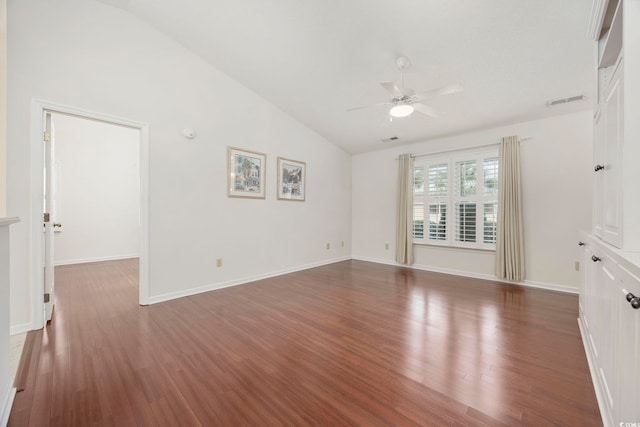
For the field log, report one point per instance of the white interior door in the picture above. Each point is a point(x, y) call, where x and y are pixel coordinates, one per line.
point(47, 161)
point(49, 215)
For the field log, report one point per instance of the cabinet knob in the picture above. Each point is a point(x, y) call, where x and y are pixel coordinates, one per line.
point(632, 299)
point(581, 243)
point(598, 168)
point(595, 258)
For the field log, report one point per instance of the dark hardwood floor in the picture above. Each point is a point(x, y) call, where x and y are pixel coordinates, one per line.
point(352, 343)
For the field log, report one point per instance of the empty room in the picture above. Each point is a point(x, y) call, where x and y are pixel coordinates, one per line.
point(291, 213)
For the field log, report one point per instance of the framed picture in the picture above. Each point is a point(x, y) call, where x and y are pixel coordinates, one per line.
point(291, 180)
point(247, 170)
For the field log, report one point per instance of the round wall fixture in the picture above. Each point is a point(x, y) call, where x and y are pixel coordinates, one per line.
point(188, 133)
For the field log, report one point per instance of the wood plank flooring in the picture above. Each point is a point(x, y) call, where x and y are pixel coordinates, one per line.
point(352, 343)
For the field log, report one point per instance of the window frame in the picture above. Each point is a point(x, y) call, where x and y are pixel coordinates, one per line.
point(481, 198)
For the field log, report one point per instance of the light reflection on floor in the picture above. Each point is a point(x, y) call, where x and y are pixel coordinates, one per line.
point(455, 346)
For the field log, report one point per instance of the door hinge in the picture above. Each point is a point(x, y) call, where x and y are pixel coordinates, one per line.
point(46, 137)
point(47, 297)
point(46, 217)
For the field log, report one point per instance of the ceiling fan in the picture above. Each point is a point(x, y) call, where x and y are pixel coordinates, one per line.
point(405, 101)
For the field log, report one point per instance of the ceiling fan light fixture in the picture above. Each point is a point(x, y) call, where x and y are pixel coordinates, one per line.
point(401, 110)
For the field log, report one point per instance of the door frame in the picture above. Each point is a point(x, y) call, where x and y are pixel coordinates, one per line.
point(38, 109)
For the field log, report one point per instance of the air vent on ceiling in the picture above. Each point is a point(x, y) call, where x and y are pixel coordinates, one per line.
point(562, 101)
point(392, 139)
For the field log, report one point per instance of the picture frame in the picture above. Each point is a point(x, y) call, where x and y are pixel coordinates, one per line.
point(292, 180)
point(246, 173)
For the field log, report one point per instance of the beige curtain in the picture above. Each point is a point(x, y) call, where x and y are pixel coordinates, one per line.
point(510, 241)
point(404, 211)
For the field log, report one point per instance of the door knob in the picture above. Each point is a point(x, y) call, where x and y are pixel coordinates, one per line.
point(56, 224)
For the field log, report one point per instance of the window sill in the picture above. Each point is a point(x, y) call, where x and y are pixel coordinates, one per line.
point(455, 248)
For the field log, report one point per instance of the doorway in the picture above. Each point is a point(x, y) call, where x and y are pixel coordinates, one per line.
point(101, 188)
point(97, 190)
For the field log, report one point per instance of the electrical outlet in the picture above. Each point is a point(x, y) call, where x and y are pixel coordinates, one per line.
point(386, 246)
point(219, 262)
point(328, 246)
point(577, 266)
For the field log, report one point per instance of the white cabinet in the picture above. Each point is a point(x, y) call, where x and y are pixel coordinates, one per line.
point(610, 328)
point(609, 139)
point(616, 210)
point(611, 152)
point(628, 348)
point(610, 258)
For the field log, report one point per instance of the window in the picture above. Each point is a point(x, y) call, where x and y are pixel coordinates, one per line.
point(418, 205)
point(455, 199)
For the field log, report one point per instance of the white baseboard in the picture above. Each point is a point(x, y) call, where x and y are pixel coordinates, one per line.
point(21, 329)
point(97, 259)
point(529, 283)
point(548, 286)
point(242, 281)
point(6, 403)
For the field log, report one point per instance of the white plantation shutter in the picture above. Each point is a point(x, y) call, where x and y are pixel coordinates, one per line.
point(418, 220)
point(438, 198)
point(465, 230)
point(438, 221)
point(490, 169)
point(490, 205)
point(418, 203)
point(466, 179)
point(456, 200)
point(466, 182)
point(490, 222)
point(438, 180)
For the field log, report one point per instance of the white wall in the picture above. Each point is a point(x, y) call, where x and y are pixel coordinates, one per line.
point(6, 382)
point(102, 59)
point(3, 107)
point(98, 190)
point(556, 181)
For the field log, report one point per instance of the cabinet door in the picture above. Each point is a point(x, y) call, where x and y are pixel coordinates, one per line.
point(628, 351)
point(598, 181)
point(612, 173)
point(586, 289)
point(607, 320)
point(593, 302)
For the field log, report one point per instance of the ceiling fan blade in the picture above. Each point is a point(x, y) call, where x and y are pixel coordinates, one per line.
point(368, 106)
point(391, 88)
point(444, 90)
point(426, 110)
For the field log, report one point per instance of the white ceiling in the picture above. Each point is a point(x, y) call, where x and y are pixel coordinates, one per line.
point(316, 58)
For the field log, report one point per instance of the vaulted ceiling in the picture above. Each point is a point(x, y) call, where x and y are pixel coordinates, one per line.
point(315, 59)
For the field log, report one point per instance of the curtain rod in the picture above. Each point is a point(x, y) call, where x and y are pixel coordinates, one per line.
point(525, 138)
